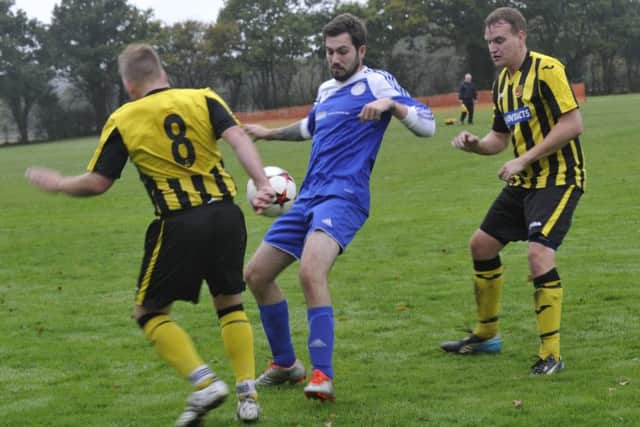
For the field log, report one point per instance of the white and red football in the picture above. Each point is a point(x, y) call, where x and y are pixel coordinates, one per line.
point(286, 190)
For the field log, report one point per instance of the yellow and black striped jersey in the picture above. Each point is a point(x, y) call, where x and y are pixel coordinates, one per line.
point(527, 105)
point(171, 137)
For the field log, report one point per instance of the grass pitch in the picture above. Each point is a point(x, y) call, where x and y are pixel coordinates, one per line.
point(71, 356)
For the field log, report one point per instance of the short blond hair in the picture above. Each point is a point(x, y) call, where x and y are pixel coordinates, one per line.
point(139, 63)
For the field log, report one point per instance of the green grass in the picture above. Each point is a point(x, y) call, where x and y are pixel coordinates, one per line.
point(71, 356)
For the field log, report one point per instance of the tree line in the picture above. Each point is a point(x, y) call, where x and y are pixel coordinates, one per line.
point(61, 78)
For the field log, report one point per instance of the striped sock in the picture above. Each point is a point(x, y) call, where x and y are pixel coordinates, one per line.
point(548, 302)
point(488, 283)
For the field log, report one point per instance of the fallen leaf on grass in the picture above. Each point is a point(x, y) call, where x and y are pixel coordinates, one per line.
point(624, 381)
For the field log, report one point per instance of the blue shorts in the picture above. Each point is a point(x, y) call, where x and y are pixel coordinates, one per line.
point(339, 218)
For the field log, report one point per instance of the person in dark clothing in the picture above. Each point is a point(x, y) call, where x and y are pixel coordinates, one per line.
point(468, 96)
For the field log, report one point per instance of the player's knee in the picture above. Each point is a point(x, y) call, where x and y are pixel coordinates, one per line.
point(475, 246)
point(483, 246)
point(305, 275)
point(541, 259)
point(310, 277)
point(255, 277)
point(250, 274)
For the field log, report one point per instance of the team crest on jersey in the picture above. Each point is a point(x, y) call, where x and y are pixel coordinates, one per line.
point(518, 91)
point(358, 89)
point(514, 117)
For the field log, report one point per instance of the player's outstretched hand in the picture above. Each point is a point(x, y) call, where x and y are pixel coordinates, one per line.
point(256, 131)
point(466, 141)
point(43, 178)
point(264, 197)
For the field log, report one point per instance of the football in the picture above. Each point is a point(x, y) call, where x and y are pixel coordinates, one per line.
point(285, 187)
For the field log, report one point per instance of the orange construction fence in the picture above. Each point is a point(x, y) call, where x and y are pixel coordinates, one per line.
point(434, 101)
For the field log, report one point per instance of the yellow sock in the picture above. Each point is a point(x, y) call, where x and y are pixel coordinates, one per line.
point(487, 282)
point(548, 303)
point(238, 343)
point(175, 346)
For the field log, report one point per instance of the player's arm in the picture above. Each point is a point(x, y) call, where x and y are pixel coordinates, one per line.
point(227, 127)
point(248, 157)
point(492, 143)
point(294, 132)
point(417, 118)
point(374, 109)
point(87, 184)
point(392, 98)
point(556, 91)
point(104, 168)
point(568, 127)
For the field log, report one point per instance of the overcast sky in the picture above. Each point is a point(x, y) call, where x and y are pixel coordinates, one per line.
point(169, 11)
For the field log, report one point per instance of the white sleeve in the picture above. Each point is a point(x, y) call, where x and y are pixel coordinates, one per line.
point(304, 128)
point(384, 85)
point(419, 118)
point(420, 121)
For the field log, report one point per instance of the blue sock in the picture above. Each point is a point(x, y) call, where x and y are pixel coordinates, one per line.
point(321, 338)
point(275, 322)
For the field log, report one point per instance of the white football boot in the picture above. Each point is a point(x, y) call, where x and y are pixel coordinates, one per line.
point(202, 401)
point(276, 375)
point(248, 409)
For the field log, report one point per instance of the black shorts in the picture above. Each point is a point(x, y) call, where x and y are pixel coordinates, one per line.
point(538, 215)
point(206, 242)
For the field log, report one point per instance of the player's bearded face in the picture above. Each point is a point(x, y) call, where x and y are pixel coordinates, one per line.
point(342, 56)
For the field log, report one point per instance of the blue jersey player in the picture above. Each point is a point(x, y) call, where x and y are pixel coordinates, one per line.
point(346, 124)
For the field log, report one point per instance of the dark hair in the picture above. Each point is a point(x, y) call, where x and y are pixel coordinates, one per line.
point(347, 23)
point(509, 15)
